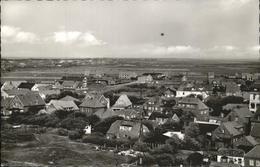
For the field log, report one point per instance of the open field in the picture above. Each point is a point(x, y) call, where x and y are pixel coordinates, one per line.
point(43, 72)
point(51, 149)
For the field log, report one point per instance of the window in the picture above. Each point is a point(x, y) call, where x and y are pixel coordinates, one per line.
point(257, 163)
point(252, 105)
point(251, 162)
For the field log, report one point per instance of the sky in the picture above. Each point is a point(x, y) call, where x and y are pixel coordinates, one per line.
point(203, 29)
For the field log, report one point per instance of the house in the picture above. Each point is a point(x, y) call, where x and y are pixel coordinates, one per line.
point(5, 106)
point(122, 129)
point(255, 131)
point(13, 92)
point(93, 103)
point(127, 114)
point(153, 104)
point(37, 87)
point(8, 85)
point(252, 158)
point(190, 89)
point(122, 102)
point(159, 118)
point(232, 156)
point(56, 105)
point(239, 114)
point(227, 134)
point(254, 102)
point(232, 89)
point(48, 92)
point(196, 106)
point(145, 79)
point(211, 77)
point(246, 143)
point(127, 75)
point(169, 93)
point(26, 85)
point(27, 102)
point(70, 85)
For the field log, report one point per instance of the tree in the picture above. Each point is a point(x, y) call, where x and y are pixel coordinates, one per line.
point(192, 130)
point(175, 142)
point(195, 159)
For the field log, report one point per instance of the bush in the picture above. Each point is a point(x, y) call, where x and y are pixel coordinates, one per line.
point(63, 132)
point(74, 135)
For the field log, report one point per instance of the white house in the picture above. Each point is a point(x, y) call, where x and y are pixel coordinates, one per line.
point(254, 101)
point(145, 79)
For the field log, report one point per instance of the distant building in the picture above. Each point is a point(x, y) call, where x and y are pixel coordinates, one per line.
point(186, 90)
point(127, 75)
point(254, 102)
point(232, 89)
point(211, 77)
point(169, 93)
point(145, 79)
point(26, 85)
point(70, 85)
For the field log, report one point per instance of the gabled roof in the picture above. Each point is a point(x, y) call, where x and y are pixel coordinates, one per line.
point(246, 141)
point(175, 118)
point(60, 105)
point(134, 132)
point(69, 98)
point(232, 127)
point(30, 99)
point(5, 102)
point(26, 85)
point(126, 113)
point(193, 100)
point(123, 101)
point(231, 152)
point(92, 103)
point(254, 153)
point(14, 92)
point(68, 83)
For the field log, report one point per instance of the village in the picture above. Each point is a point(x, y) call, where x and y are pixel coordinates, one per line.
point(150, 118)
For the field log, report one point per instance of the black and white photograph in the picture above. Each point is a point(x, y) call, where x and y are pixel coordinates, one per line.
point(130, 83)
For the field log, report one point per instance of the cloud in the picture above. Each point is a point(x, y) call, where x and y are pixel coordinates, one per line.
point(83, 39)
point(170, 50)
point(16, 35)
point(223, 48)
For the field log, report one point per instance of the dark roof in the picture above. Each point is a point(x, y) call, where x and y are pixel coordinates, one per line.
point(231, 127)
point(248, 141)
point(255, 132)
point(92, 103)
point(31, 99)
point(26, 85)
point(254, 153)
point(231, 152)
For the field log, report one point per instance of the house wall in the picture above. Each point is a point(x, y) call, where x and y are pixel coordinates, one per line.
point(236, 160)
point(90, 111)
point(255, 161)
point(254, 101)
point(181, 93)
